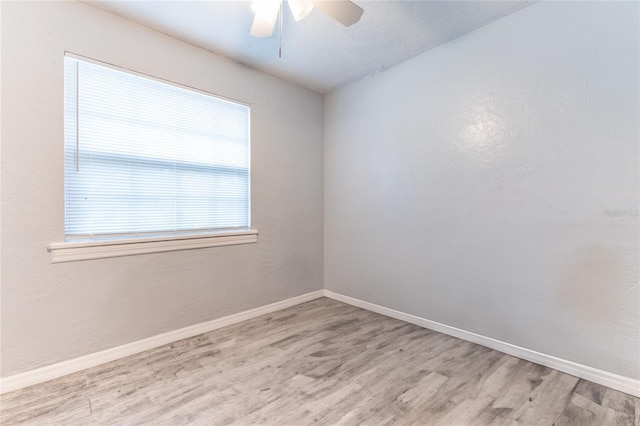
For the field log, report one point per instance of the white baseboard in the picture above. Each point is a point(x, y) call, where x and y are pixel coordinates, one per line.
point(43, 374)
point(614, 381)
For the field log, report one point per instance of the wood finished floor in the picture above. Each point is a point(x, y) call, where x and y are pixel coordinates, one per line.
point(325, 363)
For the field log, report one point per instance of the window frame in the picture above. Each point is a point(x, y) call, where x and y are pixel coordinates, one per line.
point(115, 246)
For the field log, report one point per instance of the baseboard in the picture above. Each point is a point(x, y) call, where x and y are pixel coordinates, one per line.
point(43, 374)
point(614, 381)
point(49, 372)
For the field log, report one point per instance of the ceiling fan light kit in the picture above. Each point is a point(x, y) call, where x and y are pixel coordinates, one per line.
point(266, 13)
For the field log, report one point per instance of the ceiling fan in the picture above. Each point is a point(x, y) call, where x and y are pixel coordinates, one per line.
point(266, 13)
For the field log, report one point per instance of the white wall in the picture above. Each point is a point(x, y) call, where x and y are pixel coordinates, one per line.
point(54, 312)
point(491, 184)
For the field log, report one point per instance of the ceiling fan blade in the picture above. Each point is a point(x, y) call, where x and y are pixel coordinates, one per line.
point(300, 8)
point(344, 11)
point(262, 27)
point(266, 16)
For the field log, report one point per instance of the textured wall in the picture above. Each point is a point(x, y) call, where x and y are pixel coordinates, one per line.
point(52, 313)
point(491, 184)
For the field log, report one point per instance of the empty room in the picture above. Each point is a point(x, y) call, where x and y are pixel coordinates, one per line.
point(332, 212)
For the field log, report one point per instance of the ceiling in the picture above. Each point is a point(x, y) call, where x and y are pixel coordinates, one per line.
point(317, 52)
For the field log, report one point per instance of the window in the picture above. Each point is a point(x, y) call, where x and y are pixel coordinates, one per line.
point(146, 158)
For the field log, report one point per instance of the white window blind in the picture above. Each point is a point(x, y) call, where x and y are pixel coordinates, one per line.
point(144, 157)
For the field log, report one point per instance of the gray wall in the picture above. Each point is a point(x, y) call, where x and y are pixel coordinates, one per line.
point(52, 313)
point(491, 184)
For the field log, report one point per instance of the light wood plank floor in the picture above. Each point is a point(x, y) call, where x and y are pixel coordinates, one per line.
point(324, 363)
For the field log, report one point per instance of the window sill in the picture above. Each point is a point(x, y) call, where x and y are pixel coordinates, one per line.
point(73, 251)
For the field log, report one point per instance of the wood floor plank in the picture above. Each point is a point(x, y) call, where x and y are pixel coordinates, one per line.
point(324, 363)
